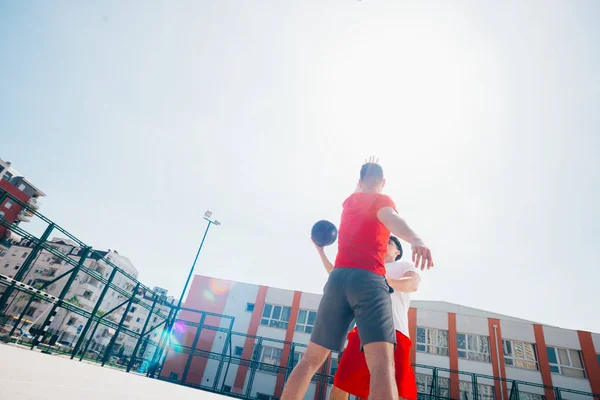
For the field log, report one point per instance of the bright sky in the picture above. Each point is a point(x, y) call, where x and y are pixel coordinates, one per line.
point(136, 117)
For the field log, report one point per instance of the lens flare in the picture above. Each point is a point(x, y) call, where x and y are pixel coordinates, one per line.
point(218, 286)
point(208, 295)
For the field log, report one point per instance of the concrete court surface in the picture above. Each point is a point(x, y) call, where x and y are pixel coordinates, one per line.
point(30, 375)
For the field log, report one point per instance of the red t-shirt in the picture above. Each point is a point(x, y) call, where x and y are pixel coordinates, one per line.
point(362, 238)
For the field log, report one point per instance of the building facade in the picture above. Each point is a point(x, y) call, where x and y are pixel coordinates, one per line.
point(13, 183)
point(446, 337)
point(84, 292)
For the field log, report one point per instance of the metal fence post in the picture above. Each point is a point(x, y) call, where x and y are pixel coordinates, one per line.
point(163, 337)
point(30, 259)
point(56, 307)
point(188, 363)
point(226, 346)
point(514, 389)
point(113, 340)
point(253, 366)
point(137, 344)
point(81, 338)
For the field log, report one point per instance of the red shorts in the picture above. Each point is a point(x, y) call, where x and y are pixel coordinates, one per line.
point(353, 376)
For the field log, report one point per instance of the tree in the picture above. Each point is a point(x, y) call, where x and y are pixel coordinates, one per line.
point(74, 300)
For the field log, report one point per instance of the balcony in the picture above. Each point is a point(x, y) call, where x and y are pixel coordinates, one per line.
point(5, 245)
point(50, 273)
point(33, 202)
point(23, 217)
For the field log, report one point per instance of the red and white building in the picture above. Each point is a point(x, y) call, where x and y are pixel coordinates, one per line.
point(19, 187)
point(446, 336)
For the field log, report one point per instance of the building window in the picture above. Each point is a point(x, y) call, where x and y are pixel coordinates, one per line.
point(249, 307)
point(272, 357)
point(6, 265)
point(262, 396)
point(17, 266)
point(426, 385)
point(30, 312)
point(565, 362)
point(25, 254)
point(275, 316)
point(433, 341)
point(519, 354)
point(22, 187)
point(297, 357)
point(238, 351)
point(132, 309)
point(2, 214)
point(484, 392)
point(334, 366)
point(530, 396)
point(8, 204)
point(306, 321)
point(473, 347)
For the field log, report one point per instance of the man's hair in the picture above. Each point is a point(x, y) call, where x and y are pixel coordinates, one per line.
point(371, 174)
point(398, 246)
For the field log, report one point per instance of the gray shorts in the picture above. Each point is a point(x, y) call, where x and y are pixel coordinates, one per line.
point(352, 293)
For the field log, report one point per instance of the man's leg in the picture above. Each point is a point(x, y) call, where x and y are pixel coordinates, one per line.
point(299, 379)
point(329, 332)
point(370, 299)
point(337, 394)
point(380, 359)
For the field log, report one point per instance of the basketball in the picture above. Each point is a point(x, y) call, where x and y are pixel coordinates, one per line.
point(323, 233)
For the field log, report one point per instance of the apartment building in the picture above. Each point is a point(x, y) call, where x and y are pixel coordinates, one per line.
point(444, 335)
point(15, 184)
point(84, 291)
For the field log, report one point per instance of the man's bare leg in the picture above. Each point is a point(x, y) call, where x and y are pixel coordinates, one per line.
point(380, 360)
point(297, 383)
point(337, 394)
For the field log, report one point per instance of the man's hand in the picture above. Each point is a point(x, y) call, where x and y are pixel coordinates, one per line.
point(372, 159)
point(320, 249)
point(326, 263)
point(421, 256)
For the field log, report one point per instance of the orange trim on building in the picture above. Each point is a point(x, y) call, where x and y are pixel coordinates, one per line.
point(412, 330)
point(543, 363)
point(497, 358)
point(590, 360)
point(289, 337)
point(453, 354)
point(259, 304)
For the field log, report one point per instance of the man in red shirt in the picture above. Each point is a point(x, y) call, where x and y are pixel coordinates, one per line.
point(357, 289)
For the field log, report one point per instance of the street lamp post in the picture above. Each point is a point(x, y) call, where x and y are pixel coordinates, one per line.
point(207, 216)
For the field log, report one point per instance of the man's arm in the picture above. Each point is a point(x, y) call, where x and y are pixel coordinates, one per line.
point(408, 283)
point(392, 221)
point(326, 263)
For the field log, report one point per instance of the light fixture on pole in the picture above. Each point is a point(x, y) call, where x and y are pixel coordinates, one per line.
point(207, 216)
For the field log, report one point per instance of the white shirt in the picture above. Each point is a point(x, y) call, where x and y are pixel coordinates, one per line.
point(400, 300)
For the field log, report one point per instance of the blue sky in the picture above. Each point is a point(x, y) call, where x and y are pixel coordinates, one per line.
point(137, 117)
